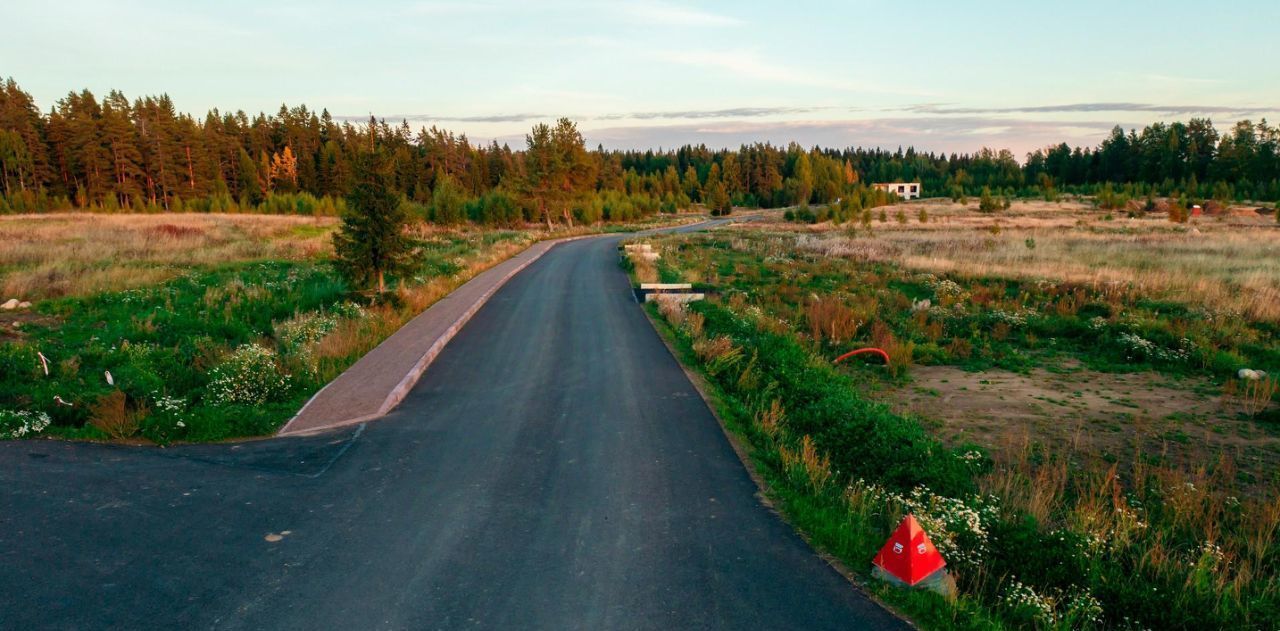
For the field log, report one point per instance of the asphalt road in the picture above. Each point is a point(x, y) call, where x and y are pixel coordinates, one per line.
point(554, 469)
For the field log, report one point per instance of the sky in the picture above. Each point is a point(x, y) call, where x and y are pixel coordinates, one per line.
point(937, 75)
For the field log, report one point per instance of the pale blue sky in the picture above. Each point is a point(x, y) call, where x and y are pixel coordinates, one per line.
point(940, 75)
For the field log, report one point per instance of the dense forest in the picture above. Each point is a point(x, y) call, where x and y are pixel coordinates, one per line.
point(145, 155)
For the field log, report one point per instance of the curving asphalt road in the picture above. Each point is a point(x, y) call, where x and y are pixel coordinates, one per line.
point(554, 469)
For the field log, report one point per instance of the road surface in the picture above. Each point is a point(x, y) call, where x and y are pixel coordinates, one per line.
point(554, 469)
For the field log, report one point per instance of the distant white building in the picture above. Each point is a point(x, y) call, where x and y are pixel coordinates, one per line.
point(905, 190)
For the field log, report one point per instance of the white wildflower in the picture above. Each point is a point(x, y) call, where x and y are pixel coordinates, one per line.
point(22, 423)
point(249, 376)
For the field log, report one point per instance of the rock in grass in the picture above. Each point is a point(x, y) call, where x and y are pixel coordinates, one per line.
point(1251, 375)
point(10, 304)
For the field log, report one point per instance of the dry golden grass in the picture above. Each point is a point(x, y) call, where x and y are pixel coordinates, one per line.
point(643, 265)
point(1224, 264)
point(111, 415)
point(829, 319)
point(809, 462)
point(47, 256)
point(771, 418)
point(899, 352)
point(646, 271)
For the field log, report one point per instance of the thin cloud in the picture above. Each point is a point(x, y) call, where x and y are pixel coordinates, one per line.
point(733, 112)
point(942, 133)
point(1168, 110)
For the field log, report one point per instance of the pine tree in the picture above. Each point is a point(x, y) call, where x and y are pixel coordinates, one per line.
point(15, 162)
point(89, 162)
point(122, 141)
point(371, 243)
point(198, 172)
point(541, 169)
point(557, 169)
point(156, 120)
point(20, 117)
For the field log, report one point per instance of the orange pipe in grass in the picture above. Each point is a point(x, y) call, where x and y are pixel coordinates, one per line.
point(849, 354)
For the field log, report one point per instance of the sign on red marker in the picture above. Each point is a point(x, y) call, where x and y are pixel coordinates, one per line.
point(908, 555)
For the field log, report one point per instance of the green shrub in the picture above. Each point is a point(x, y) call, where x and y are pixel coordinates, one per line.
point(987, 203)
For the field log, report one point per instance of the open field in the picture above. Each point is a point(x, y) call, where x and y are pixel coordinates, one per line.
point(1063, 409)
point(1228, 262)
point(187, 327)
point(1223, 269)
point(62, 254)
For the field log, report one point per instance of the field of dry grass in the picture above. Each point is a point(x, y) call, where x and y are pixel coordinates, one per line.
point(66, 254)
point(1224, 264)
point(1227, 263)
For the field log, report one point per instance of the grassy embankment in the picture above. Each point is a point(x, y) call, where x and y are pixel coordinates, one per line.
point(210, 326)
point(1135, 530)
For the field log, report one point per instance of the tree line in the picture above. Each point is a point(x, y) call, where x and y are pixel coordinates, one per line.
point(145, 155)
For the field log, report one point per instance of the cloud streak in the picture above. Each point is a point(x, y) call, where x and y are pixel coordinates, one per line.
point(930, 127)
point(1167, 110)
point(694, 114)
point(928, 113)
point(733, 112)
point(939, 133)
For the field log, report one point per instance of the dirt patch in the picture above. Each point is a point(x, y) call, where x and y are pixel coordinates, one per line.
point(13, 322)
point(1183, 422)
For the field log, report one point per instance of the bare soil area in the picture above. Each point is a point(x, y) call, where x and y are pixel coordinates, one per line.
point(1105, 415)
point(12, 322)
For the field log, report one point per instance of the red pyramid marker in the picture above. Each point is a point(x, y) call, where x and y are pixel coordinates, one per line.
point(908, 555)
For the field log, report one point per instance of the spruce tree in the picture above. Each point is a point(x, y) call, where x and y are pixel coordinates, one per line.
point(371, 242)
point(249, 184)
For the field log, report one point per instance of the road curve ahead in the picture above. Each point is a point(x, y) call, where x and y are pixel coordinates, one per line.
point(554, 469)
